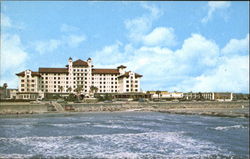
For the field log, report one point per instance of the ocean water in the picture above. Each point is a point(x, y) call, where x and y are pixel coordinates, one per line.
point(123, 135)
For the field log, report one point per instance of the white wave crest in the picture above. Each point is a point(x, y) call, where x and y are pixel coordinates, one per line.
point(230, 127)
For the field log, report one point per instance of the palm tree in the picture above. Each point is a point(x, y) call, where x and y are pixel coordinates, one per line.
point(69, 89)
point(78, 90)
point(93, 89)
point(158, 93)
point(5, 85)
point(61, 88)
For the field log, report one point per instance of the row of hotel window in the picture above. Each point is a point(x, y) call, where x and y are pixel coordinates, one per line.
point(55, 90)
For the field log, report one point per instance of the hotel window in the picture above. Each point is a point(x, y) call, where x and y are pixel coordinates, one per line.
point(127, 90)
point(67, 78)
point(54, 82)
point(100, 82)
point(55, 86)
point(127, 81)
point(85, 74)
point(136, 85)
point(32, 85)
point(127, 85)
point(54, 90)
point(22, 89)
point(46, 77)
point(22, 85)
point(85, 82)
point(46, 82)
point(136, 90)
point(74, 74)
point(112, 82)
point(32, 90)
point(22, 80)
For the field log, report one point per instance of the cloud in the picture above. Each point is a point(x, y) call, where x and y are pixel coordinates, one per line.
point(5, 21)
point(75, 40)
point(13, 58)
point(47, 46)
point(68, 28)
point(198, 65)
point(53, 44)
point(139, 26)
point(236, 46)
point(109, 56)
point(160, 36)
point(214, 6)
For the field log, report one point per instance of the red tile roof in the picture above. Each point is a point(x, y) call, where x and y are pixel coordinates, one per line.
point(53, 70)
point(80, 62)
point(105, 71)
point(127, 75)
point(32, 73)
point(121, 66)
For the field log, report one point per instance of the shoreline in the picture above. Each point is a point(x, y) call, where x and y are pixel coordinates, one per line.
point(208, 108)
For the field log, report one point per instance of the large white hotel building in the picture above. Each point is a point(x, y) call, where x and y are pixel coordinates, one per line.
point(77, 73)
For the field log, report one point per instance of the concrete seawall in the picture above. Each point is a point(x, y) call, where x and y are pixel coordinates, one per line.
point(22, 108)
point(230, 109)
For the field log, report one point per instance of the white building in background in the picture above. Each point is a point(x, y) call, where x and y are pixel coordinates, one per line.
point(77, 73)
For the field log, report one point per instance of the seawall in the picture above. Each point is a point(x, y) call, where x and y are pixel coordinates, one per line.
point(230, 109)
point(22, 108)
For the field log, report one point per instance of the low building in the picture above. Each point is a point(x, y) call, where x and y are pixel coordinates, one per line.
point(165, 95)
point(218, 96)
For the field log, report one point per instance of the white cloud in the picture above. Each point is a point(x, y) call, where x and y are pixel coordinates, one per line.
point(232, 74)
point(196, 66)
point(68, 28)
point(75, 40)
point(47, 46)
point(53, 44)
point(236, 46)
point(13, 58)
point(140, 26)
point(5, 21)
point(160, 36)
point(109, 56)
point(212, 7)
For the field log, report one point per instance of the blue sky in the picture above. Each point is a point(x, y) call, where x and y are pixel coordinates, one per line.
point(176, 46)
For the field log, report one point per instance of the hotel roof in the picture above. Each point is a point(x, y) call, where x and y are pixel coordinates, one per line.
point(80, 62)
point(126, 74)
point(32, 73)
point(53, 70)
point(105, 71)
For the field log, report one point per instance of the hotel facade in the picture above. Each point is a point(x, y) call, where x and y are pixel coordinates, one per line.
point(77, 74)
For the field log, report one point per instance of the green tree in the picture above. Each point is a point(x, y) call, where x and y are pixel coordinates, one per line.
point(158, 93)
point(5, 86)
point(61, 88)
point(69, 89)
point(78, 91)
